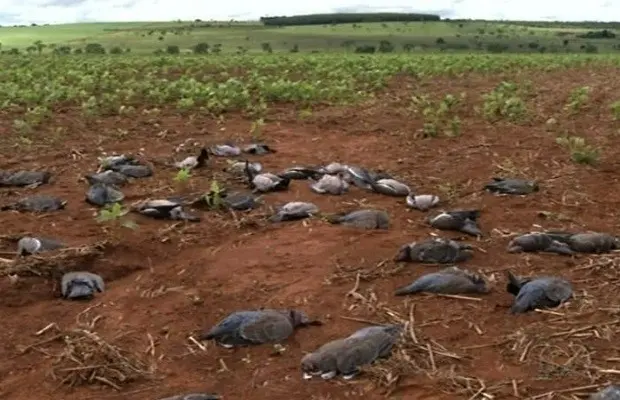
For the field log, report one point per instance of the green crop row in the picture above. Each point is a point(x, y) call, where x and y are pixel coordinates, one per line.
point(113, 85)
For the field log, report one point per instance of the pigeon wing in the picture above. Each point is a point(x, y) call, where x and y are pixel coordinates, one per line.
point(267, 328)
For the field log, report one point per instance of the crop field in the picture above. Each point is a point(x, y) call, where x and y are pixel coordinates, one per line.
point(254, 37)
point(442, 124)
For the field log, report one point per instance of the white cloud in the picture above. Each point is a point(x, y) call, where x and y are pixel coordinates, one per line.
point(66, 11)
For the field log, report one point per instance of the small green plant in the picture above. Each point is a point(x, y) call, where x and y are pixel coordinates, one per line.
point(214, 197)
point(256, 129)
point(577, 99)
point(615, 110)
point(438, 116)
point(115, 214)
point(183, 175)
point(504, 102)
point(580, 151)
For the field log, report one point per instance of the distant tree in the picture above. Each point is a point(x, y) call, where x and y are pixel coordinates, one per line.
point(31, 49)
point(116, 50)
point(497, 47)
point(201, 48)
point(160, 38)
point(440, 41)
point(385, 47)
point(94, 48)
point(565, 42)
point(590, 48)
point(241, 50)
point(604, 34)
point(217, 48)
point(173, 49)
point(62, 50)
point(78, 51)
point(39, 45)
point(365, 48)
point(14, 51)
point(295, 48)
point(266, 46)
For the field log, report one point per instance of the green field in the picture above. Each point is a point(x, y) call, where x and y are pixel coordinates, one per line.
point(253, 37)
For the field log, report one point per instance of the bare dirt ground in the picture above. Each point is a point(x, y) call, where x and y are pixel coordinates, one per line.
point(169, 281)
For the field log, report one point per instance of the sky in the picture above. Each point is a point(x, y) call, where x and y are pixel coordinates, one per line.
point(67, 11)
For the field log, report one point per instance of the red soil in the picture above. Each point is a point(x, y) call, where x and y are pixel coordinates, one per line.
point(176, 287)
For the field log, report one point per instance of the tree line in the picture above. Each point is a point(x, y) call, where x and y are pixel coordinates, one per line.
point(346, 18)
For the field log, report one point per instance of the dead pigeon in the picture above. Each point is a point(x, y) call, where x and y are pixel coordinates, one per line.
point(294, 210)
point(225, 150)
point(240, 201)
point(265, 182)
point(435, 251)
point(193, 162)
point(81, 285)
point(109, 162)
point(345, 356)
point(133, 171)
point(538, 241)
point(164, 209)
point(512, 186)
point(108, 177)
point(592, 242)
point(422, 202)
point(243, 328)
point(301, 173)
point(237, 168)
point(542, 292)
point(332, 168)
point(386, 186)
point(464, 221)
point(37, 203)
point(194, 396)
point(364, 219)
point(330, 184)
point(31, 245)
point(101, 194)
point(258, 149)
point(451, 280)
point(24, 178)
point(611, 392)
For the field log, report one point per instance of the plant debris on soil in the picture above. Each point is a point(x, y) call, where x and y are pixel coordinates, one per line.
point(167, 280)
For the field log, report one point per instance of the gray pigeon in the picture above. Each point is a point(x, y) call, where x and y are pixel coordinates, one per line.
point(258, 149)
point(542, 292)
point(464, 221)
point(363, 219)
point(240, 201)
point(332, 168)
point(422, 202)
point(512, 186)
point(31, 245)
point(237, 168)
point(301, 173)
point(194, 396)
point(243, 328)
point(611, 392)
point(386, 186)
point(108, 177)
point(133, 171)
point(164, 209)
point(590, 242)
point(538, 241)
point(101, 194)
point(265, 182)
point(36, 203)
point(435, 251)
point(193, 162)
point(345, 356)
point(330, 184)
point(114, 161)
point(451, 280)
point(294, 210)
point(24, 178)
point(225, 150)
point(81, 285)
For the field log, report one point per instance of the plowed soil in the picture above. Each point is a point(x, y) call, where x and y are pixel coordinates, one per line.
point(169, 281)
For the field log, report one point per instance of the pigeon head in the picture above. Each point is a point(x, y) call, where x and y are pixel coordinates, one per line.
point(299, 318)
point(515, 283)
point(310, 364)
point(481, 284)
point(404, 253)
point(28, 245)
point(534, 186)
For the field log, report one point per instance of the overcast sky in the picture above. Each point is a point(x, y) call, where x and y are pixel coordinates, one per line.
point(66, 11)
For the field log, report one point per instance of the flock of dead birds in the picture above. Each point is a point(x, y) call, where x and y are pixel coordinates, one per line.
point(346, 355)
